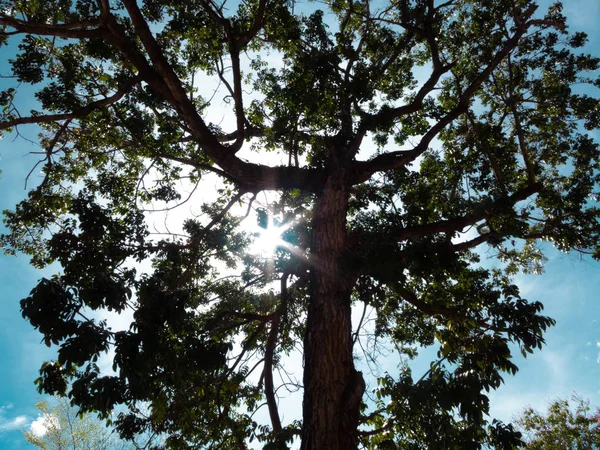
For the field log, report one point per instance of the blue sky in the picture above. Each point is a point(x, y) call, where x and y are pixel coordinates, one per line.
point(569, 289)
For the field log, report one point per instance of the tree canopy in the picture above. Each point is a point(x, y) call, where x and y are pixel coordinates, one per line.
point(569, 425)
point(60, 427)
point(395, 139)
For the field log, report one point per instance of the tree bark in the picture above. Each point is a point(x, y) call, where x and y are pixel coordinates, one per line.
point(333, 388)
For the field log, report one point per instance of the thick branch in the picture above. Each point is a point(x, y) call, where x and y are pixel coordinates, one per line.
point(161, 77)
point(431, 36)
point(82, 112)
point(512, 103)
point(458, 224)
point(268, 373)
point(487, 151)
point(78, 30)
point(390, 161)
point(269, 354)
point(472, 243)
point(179, 98)
point(236, 93)
point(248, 316)
point(438, 70)
point(251, 177)
point(390, 114)
point(259, 20)
point(428, 308)
point(248, 132)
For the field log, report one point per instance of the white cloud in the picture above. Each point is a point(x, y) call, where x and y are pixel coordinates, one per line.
point(557, 367)
point(522, 391)
point(40, 426)
point(12, 424)
point(507, 406)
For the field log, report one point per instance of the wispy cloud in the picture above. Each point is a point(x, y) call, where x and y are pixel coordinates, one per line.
point(12, 424)
point(8, 423)
point(582, 17)
point(544, 375)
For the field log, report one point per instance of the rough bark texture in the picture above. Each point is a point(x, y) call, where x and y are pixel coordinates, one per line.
point(332, 386)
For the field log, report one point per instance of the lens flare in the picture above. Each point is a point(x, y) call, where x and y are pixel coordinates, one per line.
point(267, 241)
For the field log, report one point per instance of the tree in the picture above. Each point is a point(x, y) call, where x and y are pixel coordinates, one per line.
point(395, 139)
point(61, 428)
point(562, 426)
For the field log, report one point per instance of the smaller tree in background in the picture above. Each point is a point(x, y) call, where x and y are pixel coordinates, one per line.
point(60, 427)
point(564, 426)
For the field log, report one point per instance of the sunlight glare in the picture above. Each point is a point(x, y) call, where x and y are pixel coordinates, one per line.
point(267, 241)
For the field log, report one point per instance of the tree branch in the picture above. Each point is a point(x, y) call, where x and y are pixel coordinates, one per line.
point(427, 308)
point(259, 20)
point(82, 112)
point(458, 224)
point(390, 114)
point(394, 160)
point(161, 77)
point(472, 243)
point(269, 354)
point(512, 104)
point(178, 96)
point(77, 30)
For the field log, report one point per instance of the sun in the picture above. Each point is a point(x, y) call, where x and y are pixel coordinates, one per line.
point(267, 240)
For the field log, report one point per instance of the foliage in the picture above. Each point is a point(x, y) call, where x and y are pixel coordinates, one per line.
point(572, 427)
point(396, 140)
point(63, 429)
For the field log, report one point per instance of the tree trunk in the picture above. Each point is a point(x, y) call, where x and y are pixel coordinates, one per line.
point(332, 387)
